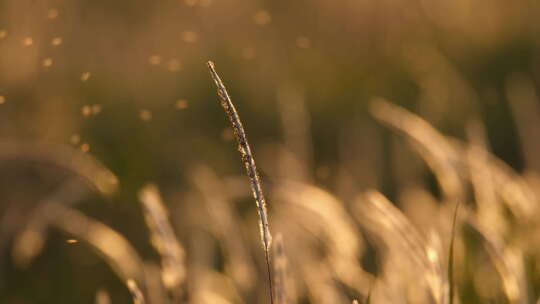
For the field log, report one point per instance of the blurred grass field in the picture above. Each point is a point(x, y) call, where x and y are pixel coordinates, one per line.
point(370, 121)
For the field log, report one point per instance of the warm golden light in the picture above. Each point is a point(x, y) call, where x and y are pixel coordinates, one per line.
point(145, 115)
point(85, 76)
point(181, 104)
point(262, 17)
point(56, 41)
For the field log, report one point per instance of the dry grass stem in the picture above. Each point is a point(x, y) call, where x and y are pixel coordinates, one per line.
point(508, 262)
point(110, 244)
point(405, 245)
point(65, 158)
point(251, 168)
point(31, 237)
point(432, 146)
point(328, 221)
point(164, 240)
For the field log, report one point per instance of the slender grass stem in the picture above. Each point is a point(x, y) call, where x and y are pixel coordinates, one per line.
point(251, 168)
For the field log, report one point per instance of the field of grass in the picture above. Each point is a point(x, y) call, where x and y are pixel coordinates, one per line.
point(393, 153)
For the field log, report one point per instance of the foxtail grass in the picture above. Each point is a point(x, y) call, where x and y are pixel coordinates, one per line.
point(249, 164)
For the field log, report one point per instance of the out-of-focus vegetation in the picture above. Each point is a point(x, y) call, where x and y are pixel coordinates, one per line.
point(370, 120)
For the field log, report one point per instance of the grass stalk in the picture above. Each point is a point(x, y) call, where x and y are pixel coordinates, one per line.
point(251, 168)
